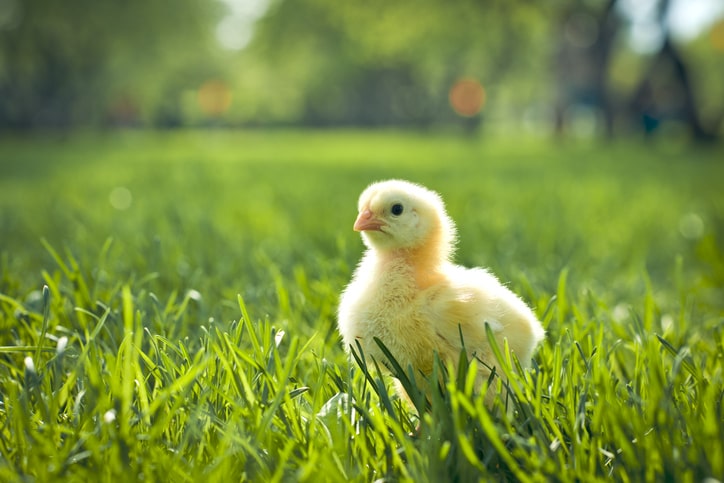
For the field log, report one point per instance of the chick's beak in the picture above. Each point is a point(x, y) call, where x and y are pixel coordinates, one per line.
point(366, 221)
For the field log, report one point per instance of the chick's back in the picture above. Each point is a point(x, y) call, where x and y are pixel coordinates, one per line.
point(472, 297)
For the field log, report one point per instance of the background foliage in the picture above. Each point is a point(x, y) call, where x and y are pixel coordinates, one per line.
point(563, 66)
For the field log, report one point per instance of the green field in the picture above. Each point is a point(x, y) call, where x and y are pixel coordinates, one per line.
point(188, 332)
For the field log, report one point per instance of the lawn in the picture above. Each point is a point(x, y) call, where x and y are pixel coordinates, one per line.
point(168, 299)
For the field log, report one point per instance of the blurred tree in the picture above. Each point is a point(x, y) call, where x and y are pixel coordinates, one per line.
point(90, 61)
point(585, 45)
point(323, 62)
point(706, 55)
point(378, 62)
point(667, 91)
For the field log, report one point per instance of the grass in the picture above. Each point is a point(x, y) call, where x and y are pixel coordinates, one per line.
point(167, 309)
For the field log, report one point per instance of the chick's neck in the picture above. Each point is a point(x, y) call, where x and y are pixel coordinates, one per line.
point(423, 263)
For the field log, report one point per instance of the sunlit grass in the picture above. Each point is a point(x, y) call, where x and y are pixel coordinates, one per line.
point(188, 333)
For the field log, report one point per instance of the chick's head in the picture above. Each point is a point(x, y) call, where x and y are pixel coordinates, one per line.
point(397, 214)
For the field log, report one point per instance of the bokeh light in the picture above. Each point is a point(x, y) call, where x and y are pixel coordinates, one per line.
point(236, 29)
point(214, 98)
point(233, 33)
point(120, 198)
point(716, 36)
point(123, 110)
point(467, 97)
point(691, 226)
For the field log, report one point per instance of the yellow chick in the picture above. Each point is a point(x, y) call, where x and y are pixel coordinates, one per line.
point(407, 293)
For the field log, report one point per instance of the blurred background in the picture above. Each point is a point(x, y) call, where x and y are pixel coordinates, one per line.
point(583, 68)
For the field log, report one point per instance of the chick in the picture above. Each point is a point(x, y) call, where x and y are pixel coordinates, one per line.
point(407, 292)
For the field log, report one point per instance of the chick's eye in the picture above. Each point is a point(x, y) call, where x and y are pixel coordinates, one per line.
point(397, 209)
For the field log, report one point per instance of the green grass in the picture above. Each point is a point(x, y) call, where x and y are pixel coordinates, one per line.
point(190, 335)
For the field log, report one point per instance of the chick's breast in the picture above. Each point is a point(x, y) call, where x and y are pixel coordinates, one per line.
point(386, 305)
